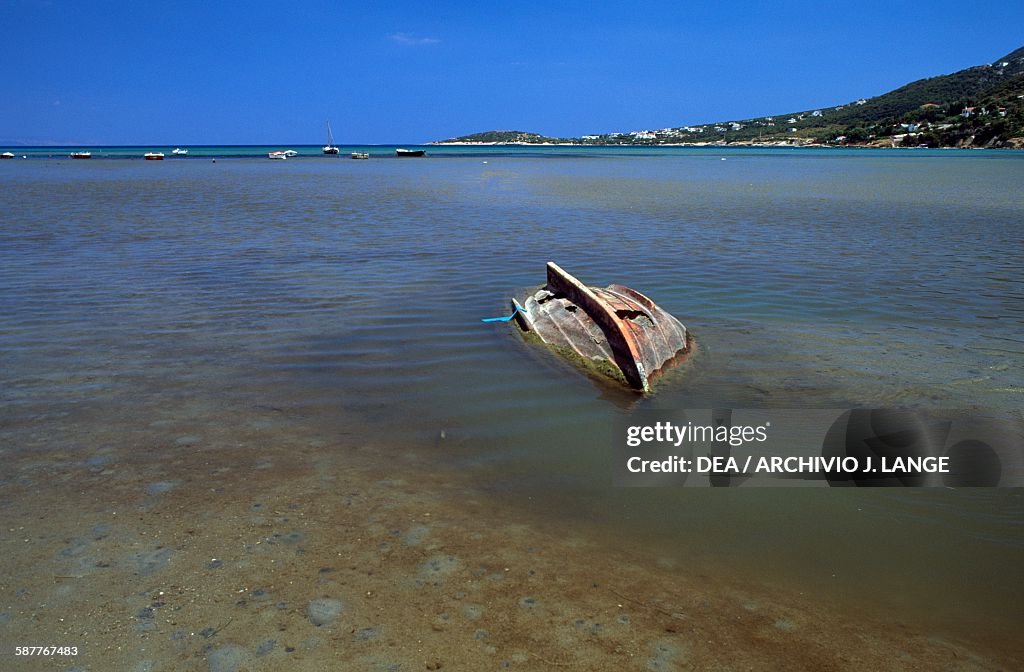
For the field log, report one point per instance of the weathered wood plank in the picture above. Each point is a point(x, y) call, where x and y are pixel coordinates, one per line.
point(616, 324)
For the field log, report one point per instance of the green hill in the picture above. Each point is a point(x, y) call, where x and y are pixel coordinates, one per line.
point(970, 85)
point(981, 106)
point(932, 110)
point(505, 138)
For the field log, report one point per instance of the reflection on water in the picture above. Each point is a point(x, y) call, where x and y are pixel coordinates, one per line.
point(352, 291)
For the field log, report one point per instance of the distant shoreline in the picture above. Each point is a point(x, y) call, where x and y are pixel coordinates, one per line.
point(216, 152)
point(738, 143)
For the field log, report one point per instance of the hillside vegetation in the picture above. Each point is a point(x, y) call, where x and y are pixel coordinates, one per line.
point(982, 106)
point(507, 138)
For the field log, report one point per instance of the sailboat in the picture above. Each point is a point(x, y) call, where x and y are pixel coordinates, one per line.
point(330, 148)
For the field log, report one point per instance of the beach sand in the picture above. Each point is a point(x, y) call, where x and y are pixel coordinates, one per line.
point(250, 539)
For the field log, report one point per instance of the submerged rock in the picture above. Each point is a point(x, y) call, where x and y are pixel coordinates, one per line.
point(228, 658)
point(324, 611)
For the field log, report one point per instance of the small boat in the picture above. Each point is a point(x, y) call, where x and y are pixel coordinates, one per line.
point(290, 153)
point(177, 151)
point(616, 331)
point(7, 155)
point(329, 148)
point(153, 156)
point(277, 155)
point(80, 155)
point(410, 152)
point(360, 155)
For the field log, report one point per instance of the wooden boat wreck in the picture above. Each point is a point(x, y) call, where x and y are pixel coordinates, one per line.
point(616, 330)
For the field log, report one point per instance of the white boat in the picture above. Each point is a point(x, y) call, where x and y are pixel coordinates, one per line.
point(153, 156)
point(80, 155)
point(360, 155)
point(329, 148)
point(290, 153)
point(410, 152)
point(278, 155)
point(179, 152)
point(7, 155)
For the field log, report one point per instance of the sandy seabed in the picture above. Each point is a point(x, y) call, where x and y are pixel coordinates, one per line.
point(255, 543)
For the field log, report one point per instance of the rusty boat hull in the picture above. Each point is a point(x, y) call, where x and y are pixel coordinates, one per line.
point(616, 326)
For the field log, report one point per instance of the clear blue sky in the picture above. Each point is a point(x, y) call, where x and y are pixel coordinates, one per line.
point(140, 72)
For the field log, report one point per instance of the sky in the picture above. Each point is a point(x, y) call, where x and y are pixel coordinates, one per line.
point(219, 72)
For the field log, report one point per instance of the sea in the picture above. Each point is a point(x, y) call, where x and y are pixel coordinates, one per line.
point(352, 293)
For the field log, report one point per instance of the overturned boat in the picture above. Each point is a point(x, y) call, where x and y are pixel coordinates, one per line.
point(616, 330)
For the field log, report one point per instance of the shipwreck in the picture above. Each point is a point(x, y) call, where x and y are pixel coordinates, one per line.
point(616, 331)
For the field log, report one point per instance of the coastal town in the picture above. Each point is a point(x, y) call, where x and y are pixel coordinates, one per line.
point(980, 107)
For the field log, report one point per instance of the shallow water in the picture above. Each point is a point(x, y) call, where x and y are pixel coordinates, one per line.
point(350, 292)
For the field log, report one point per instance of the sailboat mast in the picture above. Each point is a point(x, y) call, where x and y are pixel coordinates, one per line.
point(330, 148)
